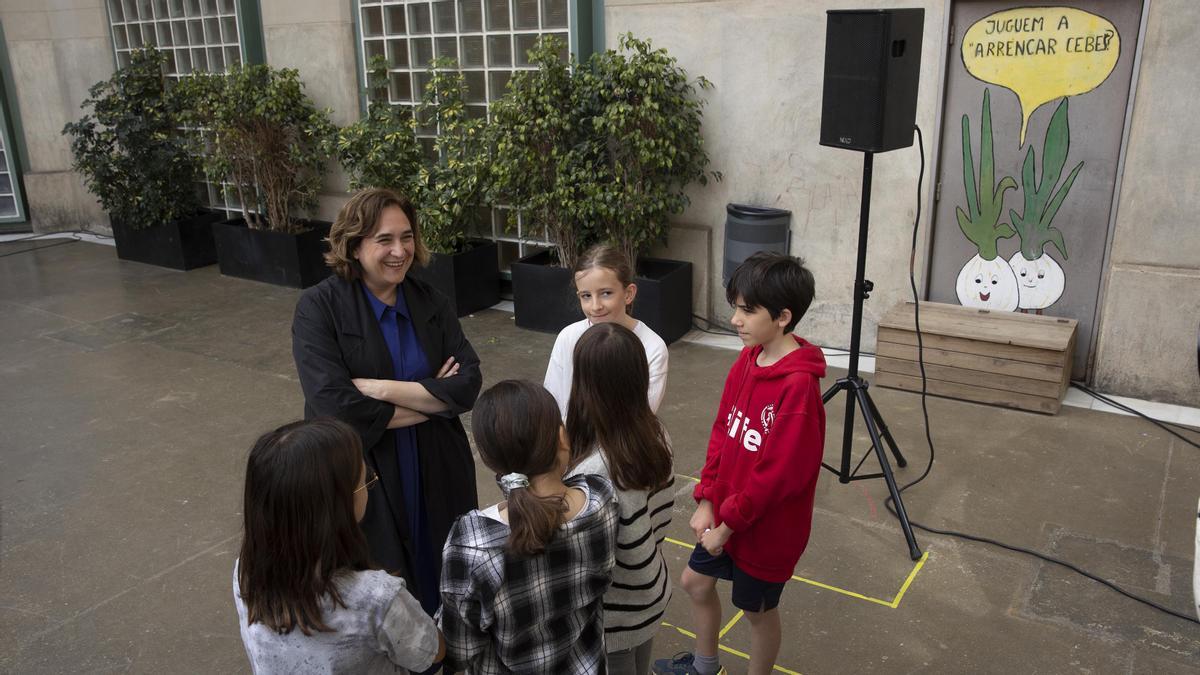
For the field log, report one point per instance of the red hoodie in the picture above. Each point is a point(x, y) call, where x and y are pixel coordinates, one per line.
point(764, 455)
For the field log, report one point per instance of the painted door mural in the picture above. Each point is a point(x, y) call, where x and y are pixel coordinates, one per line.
point(1035, 104)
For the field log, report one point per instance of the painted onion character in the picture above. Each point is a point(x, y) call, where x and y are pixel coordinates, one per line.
point(1040, 278)
point(986, 280)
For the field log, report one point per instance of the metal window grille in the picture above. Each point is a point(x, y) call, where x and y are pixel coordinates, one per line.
point(10, 199)
point(195, 36)
point(489, 40)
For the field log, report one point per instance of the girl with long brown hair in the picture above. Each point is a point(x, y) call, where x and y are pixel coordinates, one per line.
point(307, 597)
point(604, 285)
point(613, 433)
point(523, 580)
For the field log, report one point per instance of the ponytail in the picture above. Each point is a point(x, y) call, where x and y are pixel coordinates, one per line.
point(533, 520)
point(516, 427)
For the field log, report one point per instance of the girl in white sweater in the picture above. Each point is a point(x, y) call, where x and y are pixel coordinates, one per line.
point(605, 288)
point(614, 433)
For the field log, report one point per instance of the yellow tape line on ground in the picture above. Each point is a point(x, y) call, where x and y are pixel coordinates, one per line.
point(731, 650)
point(893, 603)
point(732, 621)
point(907, 582)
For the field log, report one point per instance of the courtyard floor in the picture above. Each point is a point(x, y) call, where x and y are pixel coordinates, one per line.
point(130, 395)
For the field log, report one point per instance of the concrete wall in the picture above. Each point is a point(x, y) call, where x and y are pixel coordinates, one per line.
point(761, 126)
point(58, 49)
point(317, 38)
point(1150, 310)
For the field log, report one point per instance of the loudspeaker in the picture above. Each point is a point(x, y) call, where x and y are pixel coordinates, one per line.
point(872, 69)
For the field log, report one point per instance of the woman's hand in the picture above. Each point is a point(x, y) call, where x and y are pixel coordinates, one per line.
point(448, 369)
point(412, 395)
point(370, 388)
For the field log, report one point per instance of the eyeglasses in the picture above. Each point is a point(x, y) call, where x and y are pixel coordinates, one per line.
point(372, 479)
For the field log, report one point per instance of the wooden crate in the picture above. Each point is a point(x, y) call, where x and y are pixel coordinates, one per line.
point(998, 358)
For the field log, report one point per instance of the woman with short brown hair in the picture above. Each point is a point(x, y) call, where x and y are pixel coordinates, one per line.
point(384, 352)
point(358, 219)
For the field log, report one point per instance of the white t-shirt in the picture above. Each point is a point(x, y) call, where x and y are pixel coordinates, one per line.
point(381, 627)
point(561, 367)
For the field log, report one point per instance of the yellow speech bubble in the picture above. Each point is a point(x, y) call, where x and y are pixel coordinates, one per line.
point(1041, 53)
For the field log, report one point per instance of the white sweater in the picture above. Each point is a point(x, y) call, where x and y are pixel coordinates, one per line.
point(561, 367)
point(641, 584)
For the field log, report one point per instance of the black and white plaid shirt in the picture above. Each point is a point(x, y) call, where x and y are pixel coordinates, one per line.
point(541, 614)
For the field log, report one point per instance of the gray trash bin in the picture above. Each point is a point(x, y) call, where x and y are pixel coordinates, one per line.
point(750, 229)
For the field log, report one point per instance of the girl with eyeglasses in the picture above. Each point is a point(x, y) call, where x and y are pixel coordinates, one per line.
point(307, 596)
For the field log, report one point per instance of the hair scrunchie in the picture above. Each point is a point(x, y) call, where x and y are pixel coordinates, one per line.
point(511, 481)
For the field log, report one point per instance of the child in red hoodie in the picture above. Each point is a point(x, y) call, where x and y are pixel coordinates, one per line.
point(756, 489)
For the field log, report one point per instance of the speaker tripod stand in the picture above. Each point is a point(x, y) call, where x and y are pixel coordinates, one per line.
point(856, 388)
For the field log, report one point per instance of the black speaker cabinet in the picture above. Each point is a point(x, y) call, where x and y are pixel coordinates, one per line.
point(872, 68)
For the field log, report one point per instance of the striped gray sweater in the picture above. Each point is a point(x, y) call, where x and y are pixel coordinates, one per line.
point(641, 585)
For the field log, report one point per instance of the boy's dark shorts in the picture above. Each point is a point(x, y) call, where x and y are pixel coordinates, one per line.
point(749, 593)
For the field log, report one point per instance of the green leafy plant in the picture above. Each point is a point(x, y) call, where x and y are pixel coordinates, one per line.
point(1042, 199)
point(543, 165)
point(645, 120)
point(446, 184)
point(265, 137)
point(129, 149)
point(985, 199)
point(381, 149)
point(450, 187)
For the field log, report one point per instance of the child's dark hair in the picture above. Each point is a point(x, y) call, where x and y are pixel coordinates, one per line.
point(608, 408)
point(774, 281)
point(299, 529)
point(516, 427)
point(606, 256)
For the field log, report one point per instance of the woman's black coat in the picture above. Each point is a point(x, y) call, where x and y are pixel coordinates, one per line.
point(336, 337)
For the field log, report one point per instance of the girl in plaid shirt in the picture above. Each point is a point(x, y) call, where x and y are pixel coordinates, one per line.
point(523, 581)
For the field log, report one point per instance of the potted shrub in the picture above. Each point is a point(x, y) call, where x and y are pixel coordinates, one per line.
point(645, 109)
point(266, 139)
point(131, 155)
point(446, 185)
point(544, 166)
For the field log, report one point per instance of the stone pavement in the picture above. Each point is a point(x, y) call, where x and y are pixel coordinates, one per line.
point(130, 395)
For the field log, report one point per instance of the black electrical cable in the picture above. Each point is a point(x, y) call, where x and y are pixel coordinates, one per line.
point(929, 438)
point(720, 330)
point(55, 234)
point(37, 248)
point(1162, 424)
point(912, 283)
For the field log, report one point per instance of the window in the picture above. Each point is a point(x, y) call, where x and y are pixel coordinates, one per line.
point(196, 36)
point(14, 215)
point(11, 201)
point(489, 40)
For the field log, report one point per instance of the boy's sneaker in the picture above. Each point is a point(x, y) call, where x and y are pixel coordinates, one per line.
point(680, 664)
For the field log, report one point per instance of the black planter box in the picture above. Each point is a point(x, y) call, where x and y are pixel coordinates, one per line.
point(470, 278)
point(182, 244)
point(664, 297)
point(278, 258)
point(543, 296)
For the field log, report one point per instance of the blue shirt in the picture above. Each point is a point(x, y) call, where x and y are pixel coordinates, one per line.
point(409, 364)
